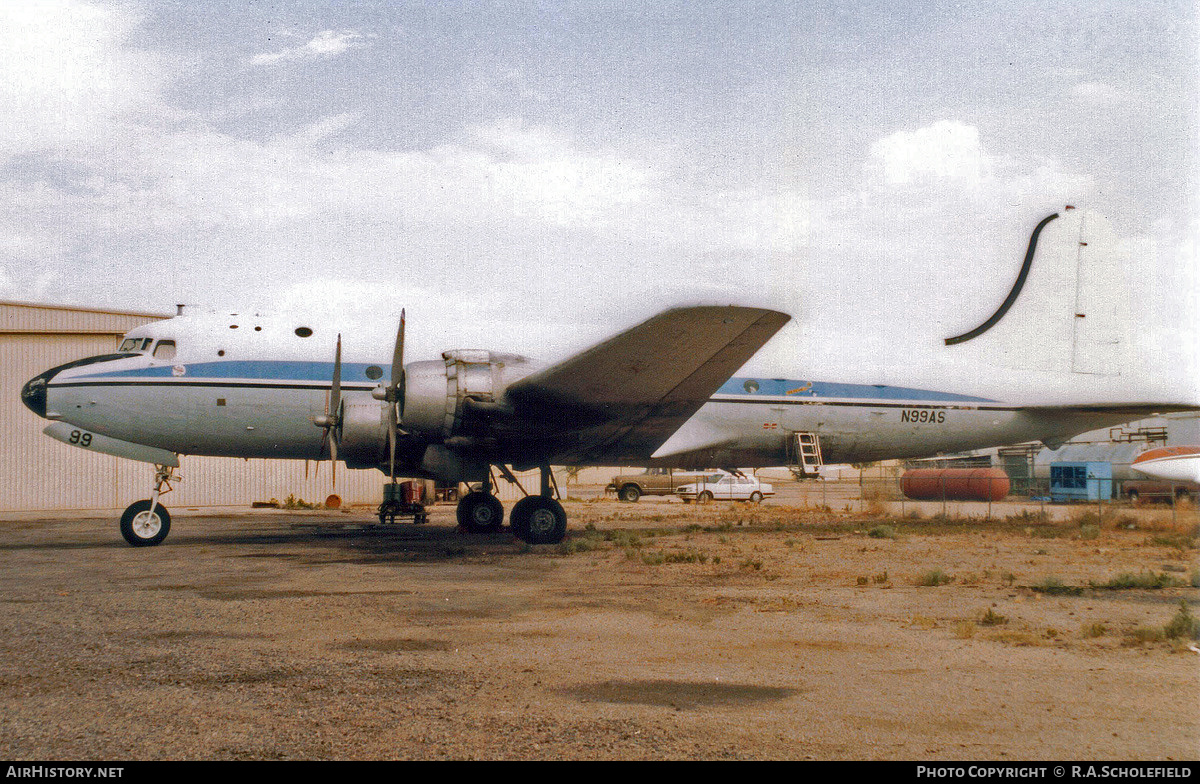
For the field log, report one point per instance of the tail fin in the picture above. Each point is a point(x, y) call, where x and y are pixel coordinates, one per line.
point(1068, 309)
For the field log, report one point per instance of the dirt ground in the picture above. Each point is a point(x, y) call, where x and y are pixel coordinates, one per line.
point(657, 631)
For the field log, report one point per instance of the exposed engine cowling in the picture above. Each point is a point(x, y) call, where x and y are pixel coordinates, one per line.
point(436, 394)
point(436, 415)
point(363, 432)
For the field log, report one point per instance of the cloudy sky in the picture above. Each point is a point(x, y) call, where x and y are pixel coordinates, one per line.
point(534, 176)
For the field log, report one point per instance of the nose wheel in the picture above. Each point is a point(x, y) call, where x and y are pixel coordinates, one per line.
point(146, 523)
point(145, 527)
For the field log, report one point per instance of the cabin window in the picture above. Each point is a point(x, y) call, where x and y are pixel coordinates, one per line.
point(165, 349)
point(303, 332)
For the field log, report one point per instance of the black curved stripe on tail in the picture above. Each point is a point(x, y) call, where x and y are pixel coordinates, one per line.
point(1012, 295)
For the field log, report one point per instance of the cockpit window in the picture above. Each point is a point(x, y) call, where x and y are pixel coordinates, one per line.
point(165, 349)
point(135, 344)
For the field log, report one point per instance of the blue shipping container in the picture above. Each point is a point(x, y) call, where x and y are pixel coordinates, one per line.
point(1080, 482)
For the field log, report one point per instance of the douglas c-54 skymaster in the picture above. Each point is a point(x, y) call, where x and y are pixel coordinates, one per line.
point(660, 393)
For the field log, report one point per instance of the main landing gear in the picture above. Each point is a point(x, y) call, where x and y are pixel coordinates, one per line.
point(147, 523)
point(535, 519)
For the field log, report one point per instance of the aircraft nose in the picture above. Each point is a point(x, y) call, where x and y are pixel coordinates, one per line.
point(33, 394)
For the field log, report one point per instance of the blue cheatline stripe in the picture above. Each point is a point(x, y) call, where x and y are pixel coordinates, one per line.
point(782, 387)
point(263, 369)
point(285, 371)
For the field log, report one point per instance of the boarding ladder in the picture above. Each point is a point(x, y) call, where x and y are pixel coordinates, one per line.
point(804, 454)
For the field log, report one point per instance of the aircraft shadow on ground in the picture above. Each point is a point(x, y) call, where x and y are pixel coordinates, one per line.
point(309, 543)
point(326, 543)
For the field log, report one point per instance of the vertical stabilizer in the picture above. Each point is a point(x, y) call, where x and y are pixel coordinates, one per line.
point(1067, 309)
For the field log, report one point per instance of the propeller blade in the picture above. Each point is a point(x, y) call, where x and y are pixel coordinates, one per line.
point(331, 422)
point(396, 388)
point(395, 397)
point(335, 392)
point(392, 437)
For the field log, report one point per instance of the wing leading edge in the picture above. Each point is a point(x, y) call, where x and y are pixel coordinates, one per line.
point(621, 399)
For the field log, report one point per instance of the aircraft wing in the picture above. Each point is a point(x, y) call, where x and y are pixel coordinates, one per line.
point(622, 398)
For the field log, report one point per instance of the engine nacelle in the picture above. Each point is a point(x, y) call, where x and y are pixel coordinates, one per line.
point(363, 442)
point(435, 391)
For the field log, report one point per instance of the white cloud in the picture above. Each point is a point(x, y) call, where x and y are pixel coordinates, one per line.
point(66, 78)
point(323, 128)
point(1097, 93)
point(947, 149)
point(325, 44)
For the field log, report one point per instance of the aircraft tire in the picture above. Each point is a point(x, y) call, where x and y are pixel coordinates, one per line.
point(141, 529)
point(480, 513)
point(536, 519)
point(630, 494)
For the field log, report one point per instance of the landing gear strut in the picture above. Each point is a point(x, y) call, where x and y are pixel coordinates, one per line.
point(540, 519)
point(146, 523)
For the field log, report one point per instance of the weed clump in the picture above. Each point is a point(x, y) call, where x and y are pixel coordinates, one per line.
point(1053, 586)
point(933, 578)
point(1183, 625)
point(883, 532)
point(1145, 580)
point(990, 618)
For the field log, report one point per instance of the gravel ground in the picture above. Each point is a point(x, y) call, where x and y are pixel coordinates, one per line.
point(657, 631)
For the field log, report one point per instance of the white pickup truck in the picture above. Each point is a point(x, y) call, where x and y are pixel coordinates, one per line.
point(725, 487)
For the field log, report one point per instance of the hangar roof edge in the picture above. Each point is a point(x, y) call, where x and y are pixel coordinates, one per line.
point(32, 318)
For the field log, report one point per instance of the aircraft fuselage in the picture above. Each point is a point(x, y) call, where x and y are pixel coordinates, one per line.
point(265, 408)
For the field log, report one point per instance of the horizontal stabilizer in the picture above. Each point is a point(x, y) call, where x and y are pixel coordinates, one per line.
point(1129, 410)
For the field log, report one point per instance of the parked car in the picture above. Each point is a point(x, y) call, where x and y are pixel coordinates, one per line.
point(655, 481)
point(723, 486)
point(1162, 491)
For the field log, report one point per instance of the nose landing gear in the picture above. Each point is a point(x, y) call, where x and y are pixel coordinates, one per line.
point(146, 523)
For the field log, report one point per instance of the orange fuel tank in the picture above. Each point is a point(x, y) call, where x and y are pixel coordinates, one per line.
point(955, 484)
